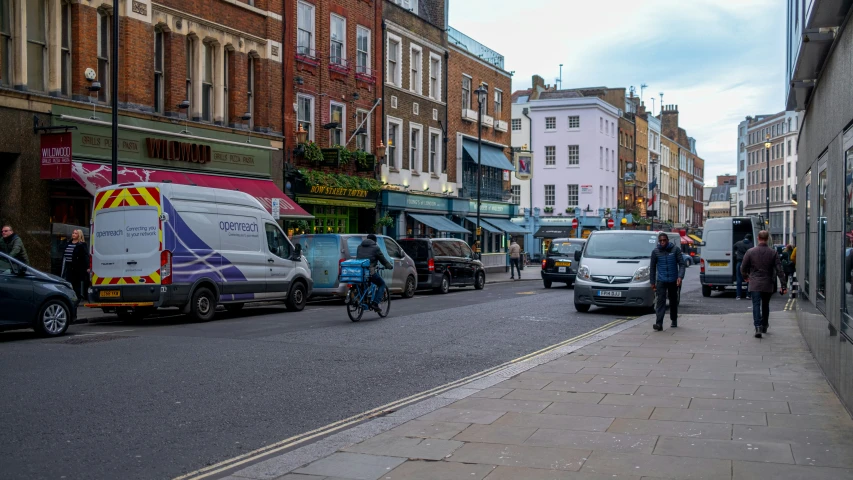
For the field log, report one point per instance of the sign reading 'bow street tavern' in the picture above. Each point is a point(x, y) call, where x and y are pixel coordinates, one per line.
point(178, 151)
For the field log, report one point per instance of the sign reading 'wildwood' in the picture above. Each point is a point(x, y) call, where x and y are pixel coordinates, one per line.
point(178, 151)
point(339, 192)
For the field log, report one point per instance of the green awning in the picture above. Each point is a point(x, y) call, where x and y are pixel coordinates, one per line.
point(439, 223)
point(487, 226)
point(492, 156)
point(507, 226)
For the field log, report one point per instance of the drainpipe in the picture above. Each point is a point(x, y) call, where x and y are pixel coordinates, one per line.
point(525, 112)
point(447, 114)
point(384, 54)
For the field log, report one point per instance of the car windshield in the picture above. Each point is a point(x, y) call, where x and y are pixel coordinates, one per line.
point(564, 248)
point(632, 246)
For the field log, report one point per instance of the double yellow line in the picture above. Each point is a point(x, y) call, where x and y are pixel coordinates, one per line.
point(295, 440)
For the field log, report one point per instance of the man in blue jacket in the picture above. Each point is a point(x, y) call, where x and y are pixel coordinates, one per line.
point(666, 272)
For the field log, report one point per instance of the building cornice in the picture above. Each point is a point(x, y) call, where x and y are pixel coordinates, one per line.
point(399, 29)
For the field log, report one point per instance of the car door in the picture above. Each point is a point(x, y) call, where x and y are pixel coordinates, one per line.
point(280, 265)
point(398, 258)
point(467, 263)
point(16, 295)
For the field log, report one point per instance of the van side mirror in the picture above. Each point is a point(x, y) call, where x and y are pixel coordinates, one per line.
point(297, 252)
point(578, 255)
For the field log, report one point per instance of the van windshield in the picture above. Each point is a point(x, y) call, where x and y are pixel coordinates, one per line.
point(633, 246)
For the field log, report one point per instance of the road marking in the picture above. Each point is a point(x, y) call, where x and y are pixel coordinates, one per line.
point(525, 293)
point(291, 442)
point(99, 333)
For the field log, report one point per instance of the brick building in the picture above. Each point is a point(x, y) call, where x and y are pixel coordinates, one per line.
point(199, 73)
point(641, 157)
point(333, 91)
point(625, 180)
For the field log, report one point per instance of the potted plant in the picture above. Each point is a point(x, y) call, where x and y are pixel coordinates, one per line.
point(549, 209)
point(344, 155)
point(313, 154)
point(570, 210)
point(364, 162)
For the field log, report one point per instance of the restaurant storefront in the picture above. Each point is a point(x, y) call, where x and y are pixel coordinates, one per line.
point(335, 209)
point(423, 216)
point(149, 151)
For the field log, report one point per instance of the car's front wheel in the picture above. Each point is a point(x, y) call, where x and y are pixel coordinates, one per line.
point(480, 281)
point(53, 318)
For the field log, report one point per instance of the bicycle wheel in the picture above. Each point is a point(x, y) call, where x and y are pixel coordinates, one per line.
point(354, 309)
point(385, 304)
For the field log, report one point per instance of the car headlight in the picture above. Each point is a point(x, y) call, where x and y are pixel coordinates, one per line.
point(583, 272)
point(642, 274)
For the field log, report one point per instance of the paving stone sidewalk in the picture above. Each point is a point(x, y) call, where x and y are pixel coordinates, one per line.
point(703, 401)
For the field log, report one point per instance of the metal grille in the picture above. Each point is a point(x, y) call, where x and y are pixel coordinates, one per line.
point(616, 280)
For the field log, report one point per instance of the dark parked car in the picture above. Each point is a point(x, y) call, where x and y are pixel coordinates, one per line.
point(444, 262)
point(559, 263)
point(33, 299)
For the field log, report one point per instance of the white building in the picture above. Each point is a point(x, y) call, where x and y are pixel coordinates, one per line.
point(654, 161)
point(520, 126)
point(782, 131)
point(742, 138)
point(575, 153)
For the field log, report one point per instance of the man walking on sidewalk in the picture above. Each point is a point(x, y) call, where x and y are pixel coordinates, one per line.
point(514, 257)
point(740, 248)
point(760, 265)
point(667, 269)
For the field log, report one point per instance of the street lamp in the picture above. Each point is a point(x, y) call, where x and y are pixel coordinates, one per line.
point(767, 146)
point(653, 162)
point(482, 96)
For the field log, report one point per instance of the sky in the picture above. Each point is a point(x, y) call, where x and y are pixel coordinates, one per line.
point(718, 60)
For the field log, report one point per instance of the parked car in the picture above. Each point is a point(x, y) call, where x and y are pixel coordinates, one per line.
point(559, 263)
point(33, 299)
point(167, 245)
point(444, 262)
point(325, 252)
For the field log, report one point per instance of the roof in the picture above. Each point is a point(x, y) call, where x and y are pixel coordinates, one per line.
point(559, 94)
point(521, 93)
point(721, 193)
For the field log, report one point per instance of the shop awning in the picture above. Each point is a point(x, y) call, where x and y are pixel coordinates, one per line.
point(93, 176)
point(507, 226)
point(439, 223)
point(553, 232)
point(686, 240)
point(487, 226)
point(492, 156)
point(696, 239)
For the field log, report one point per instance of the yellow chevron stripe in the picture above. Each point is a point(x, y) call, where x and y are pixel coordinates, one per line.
point(104, 199)
point(149, 199)
point(155, 277)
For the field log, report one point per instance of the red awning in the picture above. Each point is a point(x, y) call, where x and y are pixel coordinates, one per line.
point(686, 240)
point(93, 176)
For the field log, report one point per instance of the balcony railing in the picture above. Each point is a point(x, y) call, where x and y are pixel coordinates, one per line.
point(365, 73)
point(459, 39)
point(307, 55)
point(339, 64)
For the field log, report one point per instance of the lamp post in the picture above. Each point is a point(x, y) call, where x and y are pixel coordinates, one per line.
point(482, 96)
point(767, 146)
point(114, 90)
point(653, 162)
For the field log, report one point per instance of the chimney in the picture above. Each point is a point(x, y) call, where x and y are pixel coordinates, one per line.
point(641, 110)
point(669, 121)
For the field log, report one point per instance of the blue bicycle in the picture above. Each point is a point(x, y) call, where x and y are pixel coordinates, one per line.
point(362, 291)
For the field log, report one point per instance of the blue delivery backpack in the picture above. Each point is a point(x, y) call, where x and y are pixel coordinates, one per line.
point(355, 271)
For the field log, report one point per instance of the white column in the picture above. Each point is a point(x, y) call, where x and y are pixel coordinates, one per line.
point(54, 46)
point(219, 114)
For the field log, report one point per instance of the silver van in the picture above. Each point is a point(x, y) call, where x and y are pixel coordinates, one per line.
point(614, 269)
point(718, 267)
point(325, 252)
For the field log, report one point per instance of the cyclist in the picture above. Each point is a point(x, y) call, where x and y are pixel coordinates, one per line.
point(369, 250)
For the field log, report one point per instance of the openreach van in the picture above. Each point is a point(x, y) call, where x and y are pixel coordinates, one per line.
point(718, 257)
point(158, 245)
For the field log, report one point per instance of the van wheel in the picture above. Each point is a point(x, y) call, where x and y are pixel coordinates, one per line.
point(409, 291)
point(297, 298)
point(706, 291)
point(480, 282)
point(582, 307)
point(234, 307)
point(445, 284)
point(203, 305)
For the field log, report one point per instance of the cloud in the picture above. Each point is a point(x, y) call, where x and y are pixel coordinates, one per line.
point(718, 61)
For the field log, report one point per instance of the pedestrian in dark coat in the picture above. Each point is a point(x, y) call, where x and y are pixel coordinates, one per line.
point(740, 248)
point(761, 266)
point(666, 271)
point(75, 264)
point(13, 246)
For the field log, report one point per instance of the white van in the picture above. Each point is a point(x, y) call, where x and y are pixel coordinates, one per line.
point(166, 245)
point(717, 270)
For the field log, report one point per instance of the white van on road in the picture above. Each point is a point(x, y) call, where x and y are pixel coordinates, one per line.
point(160, 245)
point(718, 262)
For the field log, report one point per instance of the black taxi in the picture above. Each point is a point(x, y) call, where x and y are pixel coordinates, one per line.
point(559, 262)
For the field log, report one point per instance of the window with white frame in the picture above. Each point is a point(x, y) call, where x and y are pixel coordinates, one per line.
point(337, 115)
point(516, 194)
point(305, 114)
point(362, 139)
point(337, 40)
point(466, 93)
point(574, 155)
point(434, 151)
point(416, 83)
point(435, 76)
point(104, 46)
point(36, 45)
point(516, 124)
point(550, 156)
point(550, 123)
point(394, 73)
point(362, 54)
point(499, 103)
point(573, 196)
point(7, 46)
point(394, 127)
point(65, 67)
point(207, 67)
point(158, 71)
point(415, 147)
point(574, 122)
point(550, 197)
point(305, 29)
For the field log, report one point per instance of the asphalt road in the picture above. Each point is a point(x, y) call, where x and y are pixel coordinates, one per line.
point(164, 397)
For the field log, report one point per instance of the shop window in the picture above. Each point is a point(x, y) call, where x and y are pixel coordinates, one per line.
point(6, 43)
point(36, 45)
point(847, 284)
point(820, 286)
point(807, 263)
point(331, 219)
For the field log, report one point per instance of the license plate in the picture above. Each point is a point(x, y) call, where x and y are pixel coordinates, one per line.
point(719, 264)
point(563, 264)
point(609, 293)
point(561, 269)
point(110, 294)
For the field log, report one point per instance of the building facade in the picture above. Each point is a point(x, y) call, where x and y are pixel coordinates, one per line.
point(819, 68)
point(199, 101)
point(668, 183)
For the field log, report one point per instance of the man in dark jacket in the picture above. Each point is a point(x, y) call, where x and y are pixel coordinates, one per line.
point(369, 250)
point(760, 267)
point(666, 270)
point(740, 248)
point(13, 246)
